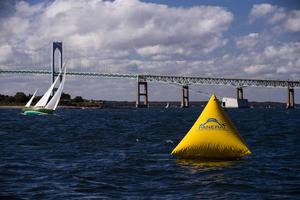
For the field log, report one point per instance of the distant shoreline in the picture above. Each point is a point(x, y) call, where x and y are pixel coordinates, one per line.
point(4, 107)
point(153, 104)
point(20, 99)
point(19, 107)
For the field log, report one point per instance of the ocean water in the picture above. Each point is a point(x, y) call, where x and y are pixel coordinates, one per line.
point(125, 154)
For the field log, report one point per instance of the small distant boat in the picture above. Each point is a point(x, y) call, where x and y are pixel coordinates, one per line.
point(43, 106)
point(168, 105)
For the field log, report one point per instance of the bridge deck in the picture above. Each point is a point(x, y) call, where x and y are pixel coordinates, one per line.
point(181, 80)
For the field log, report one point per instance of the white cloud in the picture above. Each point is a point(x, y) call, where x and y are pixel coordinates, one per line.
point(122, 28)
point(288, 20)
point(137, 37)
point(248, 41)
point(255, 69)
point(277, 16)
point(292, 23)
point(261, 10)
point(288, 51)
point(5, 53)
point(25, 10)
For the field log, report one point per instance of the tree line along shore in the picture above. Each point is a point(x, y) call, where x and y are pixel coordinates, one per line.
point(20, 99)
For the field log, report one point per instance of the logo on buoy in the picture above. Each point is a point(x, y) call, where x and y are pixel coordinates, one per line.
point(212, 123)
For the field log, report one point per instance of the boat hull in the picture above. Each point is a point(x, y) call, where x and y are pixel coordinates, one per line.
point(36, 111)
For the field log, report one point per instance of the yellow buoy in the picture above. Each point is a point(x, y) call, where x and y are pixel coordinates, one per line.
point(213, 136)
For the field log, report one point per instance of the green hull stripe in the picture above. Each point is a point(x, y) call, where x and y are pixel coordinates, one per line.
point(36, 111)
point(31, 113)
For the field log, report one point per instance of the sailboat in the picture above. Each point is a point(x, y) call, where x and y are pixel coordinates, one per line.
point(43, 106)
point(168, 105)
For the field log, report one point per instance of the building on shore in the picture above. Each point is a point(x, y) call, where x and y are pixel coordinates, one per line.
point(234, 103)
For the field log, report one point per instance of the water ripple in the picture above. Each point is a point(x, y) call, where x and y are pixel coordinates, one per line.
point(109, 153)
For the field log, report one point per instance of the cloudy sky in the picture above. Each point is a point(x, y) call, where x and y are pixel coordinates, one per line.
point(253, 39)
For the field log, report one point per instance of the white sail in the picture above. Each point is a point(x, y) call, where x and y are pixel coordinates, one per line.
point(31, 99)
point(43, 101)
point(52, 104)
point(168, 105)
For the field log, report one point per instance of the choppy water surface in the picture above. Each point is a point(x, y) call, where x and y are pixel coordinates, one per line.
point(86, 154)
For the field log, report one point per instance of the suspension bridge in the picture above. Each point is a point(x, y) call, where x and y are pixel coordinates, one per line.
point(184, 81)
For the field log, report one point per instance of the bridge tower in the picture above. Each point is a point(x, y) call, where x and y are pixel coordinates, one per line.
point(240, 93)
point(185, 97)
point(142, 91)
point(56, 46)
point(291, 98)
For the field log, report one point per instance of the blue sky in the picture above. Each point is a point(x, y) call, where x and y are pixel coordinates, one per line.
point(253, 39)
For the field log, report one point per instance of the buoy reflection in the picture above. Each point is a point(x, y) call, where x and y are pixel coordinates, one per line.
point(208, 163)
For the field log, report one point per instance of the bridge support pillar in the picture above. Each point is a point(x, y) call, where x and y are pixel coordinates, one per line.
point(185, 97)
point(142, 91)
point(291, 98)
point(58, 46)
point(240, 93)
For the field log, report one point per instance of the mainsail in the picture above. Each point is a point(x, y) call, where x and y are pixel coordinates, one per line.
point(43, 101)
point(52, 104)
point(31, 99)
